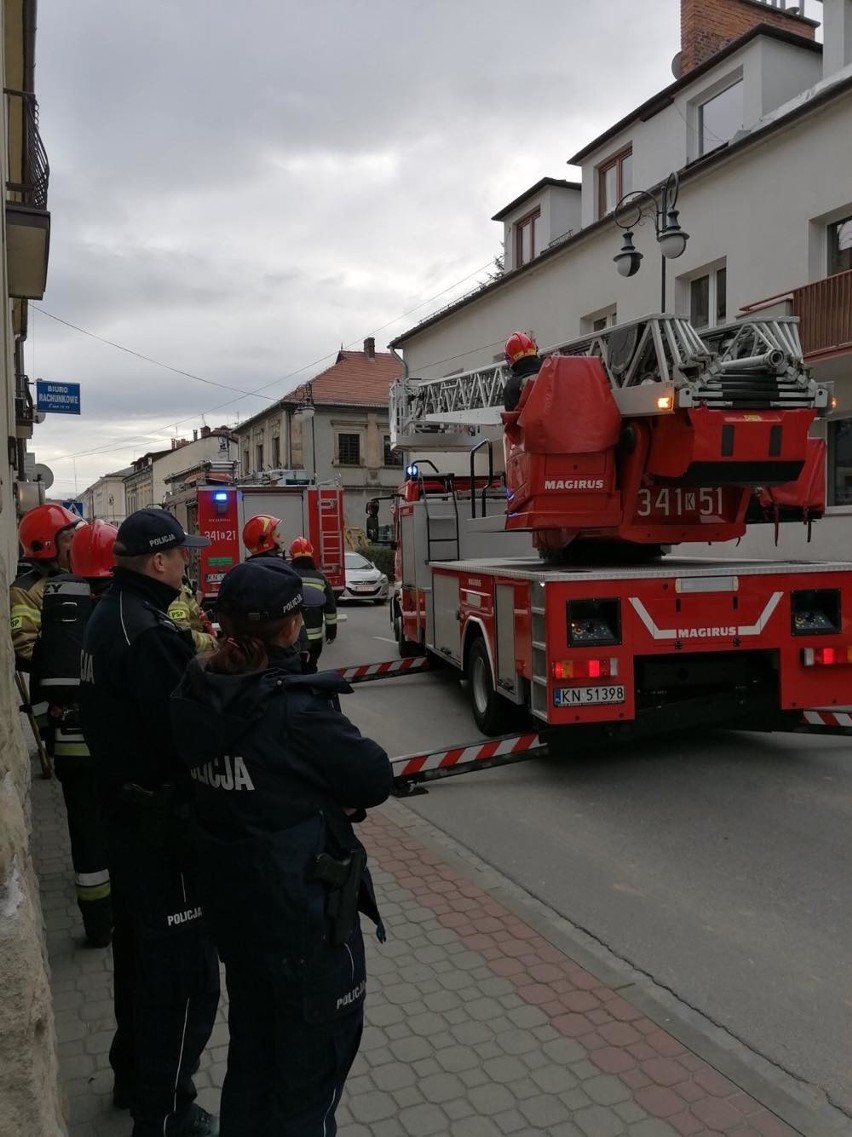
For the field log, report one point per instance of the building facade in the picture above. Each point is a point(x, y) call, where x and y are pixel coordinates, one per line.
point(149, 480)
point(104, 500)
point(334, 427)
point(757, 127)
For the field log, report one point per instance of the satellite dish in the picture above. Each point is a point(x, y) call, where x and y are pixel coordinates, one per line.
point(43, 474)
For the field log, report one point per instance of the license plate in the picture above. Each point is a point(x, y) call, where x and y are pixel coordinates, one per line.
point(587, 696)
point(362, 588)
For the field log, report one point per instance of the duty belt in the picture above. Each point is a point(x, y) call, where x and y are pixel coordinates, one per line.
point(343, 880)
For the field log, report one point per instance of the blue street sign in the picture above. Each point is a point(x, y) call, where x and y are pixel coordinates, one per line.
point(74, 506)
point(60, 398)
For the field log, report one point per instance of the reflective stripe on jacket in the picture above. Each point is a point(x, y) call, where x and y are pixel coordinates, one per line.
point(26, 597)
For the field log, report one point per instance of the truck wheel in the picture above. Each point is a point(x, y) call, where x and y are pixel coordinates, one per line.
point(491, 712)
point(407, 649)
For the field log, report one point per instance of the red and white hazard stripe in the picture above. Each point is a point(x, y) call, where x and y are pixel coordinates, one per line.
point(839, 716)
point(410, 764)
point(365, 671)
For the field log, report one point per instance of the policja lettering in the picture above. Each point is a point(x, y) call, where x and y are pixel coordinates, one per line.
point(183, 917)
point(234, 776)
point(352, 996)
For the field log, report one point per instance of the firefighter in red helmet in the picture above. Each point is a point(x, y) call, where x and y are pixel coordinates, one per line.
point(68, 599)
point(318, 604)
point(262, 536)
point(45, 535)
point(523, 360)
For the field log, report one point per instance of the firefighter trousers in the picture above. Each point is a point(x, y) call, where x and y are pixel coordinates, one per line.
point(285, 1074)
point(76, 775)
point(166, 980)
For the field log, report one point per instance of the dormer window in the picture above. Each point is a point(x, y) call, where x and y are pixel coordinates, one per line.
point(720, 118)
point(525, 238)
point(615, 179)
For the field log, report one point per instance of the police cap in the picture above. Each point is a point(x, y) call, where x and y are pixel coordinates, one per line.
point(153, 531)
point(265, 588)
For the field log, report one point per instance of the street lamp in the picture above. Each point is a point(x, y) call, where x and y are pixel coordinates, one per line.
point(632, 210)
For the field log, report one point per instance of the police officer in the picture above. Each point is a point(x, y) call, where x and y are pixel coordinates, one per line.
point(67, 603)
point(320, 607)
point(279, 775)
point(45, 537)
point(524, 361)
point(166, 972)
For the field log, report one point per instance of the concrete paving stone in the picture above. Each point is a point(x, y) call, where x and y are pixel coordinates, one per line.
point(95, 1009)
point(401, 1030)
point(456, 981)
point(410, 1049)
point(584, 1069)
point(576, 1100)
point(78, 1066)
point(564, 1050)
point(475, 1077)
point(510, 1122)
point(598, 1121)
point(544, 1111)
point(425, 1067)
point(484, 1009)
point(475, 1127)
point(427, 1023)
point(441, 1087)
point(630, 1112)
point(372, 1037)
point(393, 1076)
point(606, 1090)
point(510, 1002)
point(355, 1130)
point(441, 1001)
point(527, 1017)
point(69, 1029)
point(524, 1088)
point(457, 1058)
point(441, 936)
point(553, 1079)
point(467, 960)
point(359, 1084)
point(505, 1068)
point(217, 1072)
point(386, 1014)
point(342, 1115)
point(407, 1097)
point(430, 954)
point(651, 1127)
point(390, 1128)
point(514, 1041)
point(441, 1041)
point(491, 1098)
point(458, 1109)
point(488, 1050)
point(424, 1120)
point(374, 1105)
point(400, 993)
point(534, 1059)
point(454, 1017)
point(472, 1033)
point(67, 1000)
point(379, 1057)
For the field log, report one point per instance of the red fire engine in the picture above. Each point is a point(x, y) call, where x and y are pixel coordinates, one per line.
point(552, 587)
point(220, 509)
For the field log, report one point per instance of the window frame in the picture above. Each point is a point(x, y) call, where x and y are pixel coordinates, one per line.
point(716, 93)
point(832, 227)
point(614, 161)
point(831, 498)
point(528, 220)
point(338, 459)
point(712, 274)
point(395, 456)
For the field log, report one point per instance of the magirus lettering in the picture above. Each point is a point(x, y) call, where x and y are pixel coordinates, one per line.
point(704, 633)
point(573, 483)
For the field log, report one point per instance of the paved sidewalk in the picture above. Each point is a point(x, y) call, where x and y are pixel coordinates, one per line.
point(479, 1022)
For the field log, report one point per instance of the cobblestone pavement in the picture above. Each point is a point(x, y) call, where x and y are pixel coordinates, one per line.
point(478, 1024)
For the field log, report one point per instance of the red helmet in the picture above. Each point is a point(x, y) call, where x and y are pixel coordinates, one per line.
point(260, 533)
point(518, 345)
point(41, 526)
point(301, 547)
point(91, 550)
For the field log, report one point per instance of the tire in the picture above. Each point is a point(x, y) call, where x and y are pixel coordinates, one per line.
point(381, 600)
point(406, 648)
point(491, 712)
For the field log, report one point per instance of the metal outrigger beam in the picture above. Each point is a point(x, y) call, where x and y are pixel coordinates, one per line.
point(411, 770)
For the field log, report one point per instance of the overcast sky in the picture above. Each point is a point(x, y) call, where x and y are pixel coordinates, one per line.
point(237, 189)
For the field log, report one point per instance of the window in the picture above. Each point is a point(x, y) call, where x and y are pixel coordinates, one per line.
point(840, 246)
point(708, 299)
point(246, 462)
point(720, 118)
point(259, 456)
point(349, 449)
point(615, 179)
point(276, 453)
point(840, 462)
point(390, 457)
point(525, 235)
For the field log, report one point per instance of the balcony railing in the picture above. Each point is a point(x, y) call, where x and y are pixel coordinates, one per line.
point(29, 170)
point(824, 309)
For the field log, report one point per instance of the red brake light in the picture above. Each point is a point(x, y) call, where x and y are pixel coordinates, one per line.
point(584, 668)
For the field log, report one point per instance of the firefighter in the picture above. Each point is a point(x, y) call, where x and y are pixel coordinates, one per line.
point(319, 608)
point(67, 603)
point(166, 976)
point(262, 536)
point(523, 359)
point(45, 536)
point(188, 614)
point(279, 774)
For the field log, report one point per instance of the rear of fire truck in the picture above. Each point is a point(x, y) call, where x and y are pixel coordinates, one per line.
point(563, 606)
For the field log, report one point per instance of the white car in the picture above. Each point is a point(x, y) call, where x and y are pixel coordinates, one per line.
point(364, 581)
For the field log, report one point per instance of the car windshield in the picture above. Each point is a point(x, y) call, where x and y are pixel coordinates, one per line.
point(356, 561)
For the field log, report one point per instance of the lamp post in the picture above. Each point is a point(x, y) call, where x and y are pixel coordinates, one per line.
point(659, 206)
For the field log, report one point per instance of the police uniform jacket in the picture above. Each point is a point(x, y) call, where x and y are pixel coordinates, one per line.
point(133, 658)
point(274, 763)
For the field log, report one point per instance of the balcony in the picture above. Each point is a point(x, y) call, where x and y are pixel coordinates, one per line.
point(27, 218)
point(824, 309)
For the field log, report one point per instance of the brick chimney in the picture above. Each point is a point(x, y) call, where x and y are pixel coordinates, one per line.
point(707, 26)
point(205, 432)
point(370, 347)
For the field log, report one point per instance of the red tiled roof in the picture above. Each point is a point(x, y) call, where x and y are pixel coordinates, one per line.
point(355, 379)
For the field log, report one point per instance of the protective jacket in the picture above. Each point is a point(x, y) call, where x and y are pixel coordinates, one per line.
point(521, 371)
point(274, 764)
point(133, 658)
point(25, 600)
point(319, 608)
point(187, 613)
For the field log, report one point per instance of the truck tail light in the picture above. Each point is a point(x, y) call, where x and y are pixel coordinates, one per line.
point(584, 668)
point(826, 656)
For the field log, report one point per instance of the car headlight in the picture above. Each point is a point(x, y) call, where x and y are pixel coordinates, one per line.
point(383, 579)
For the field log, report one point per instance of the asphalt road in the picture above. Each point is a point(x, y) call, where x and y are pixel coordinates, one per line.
point(718, 865)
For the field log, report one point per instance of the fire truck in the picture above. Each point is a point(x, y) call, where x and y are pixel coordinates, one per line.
point(552, 586)
point(219, 509)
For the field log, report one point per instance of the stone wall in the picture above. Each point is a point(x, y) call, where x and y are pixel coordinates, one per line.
point(30, 1099)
